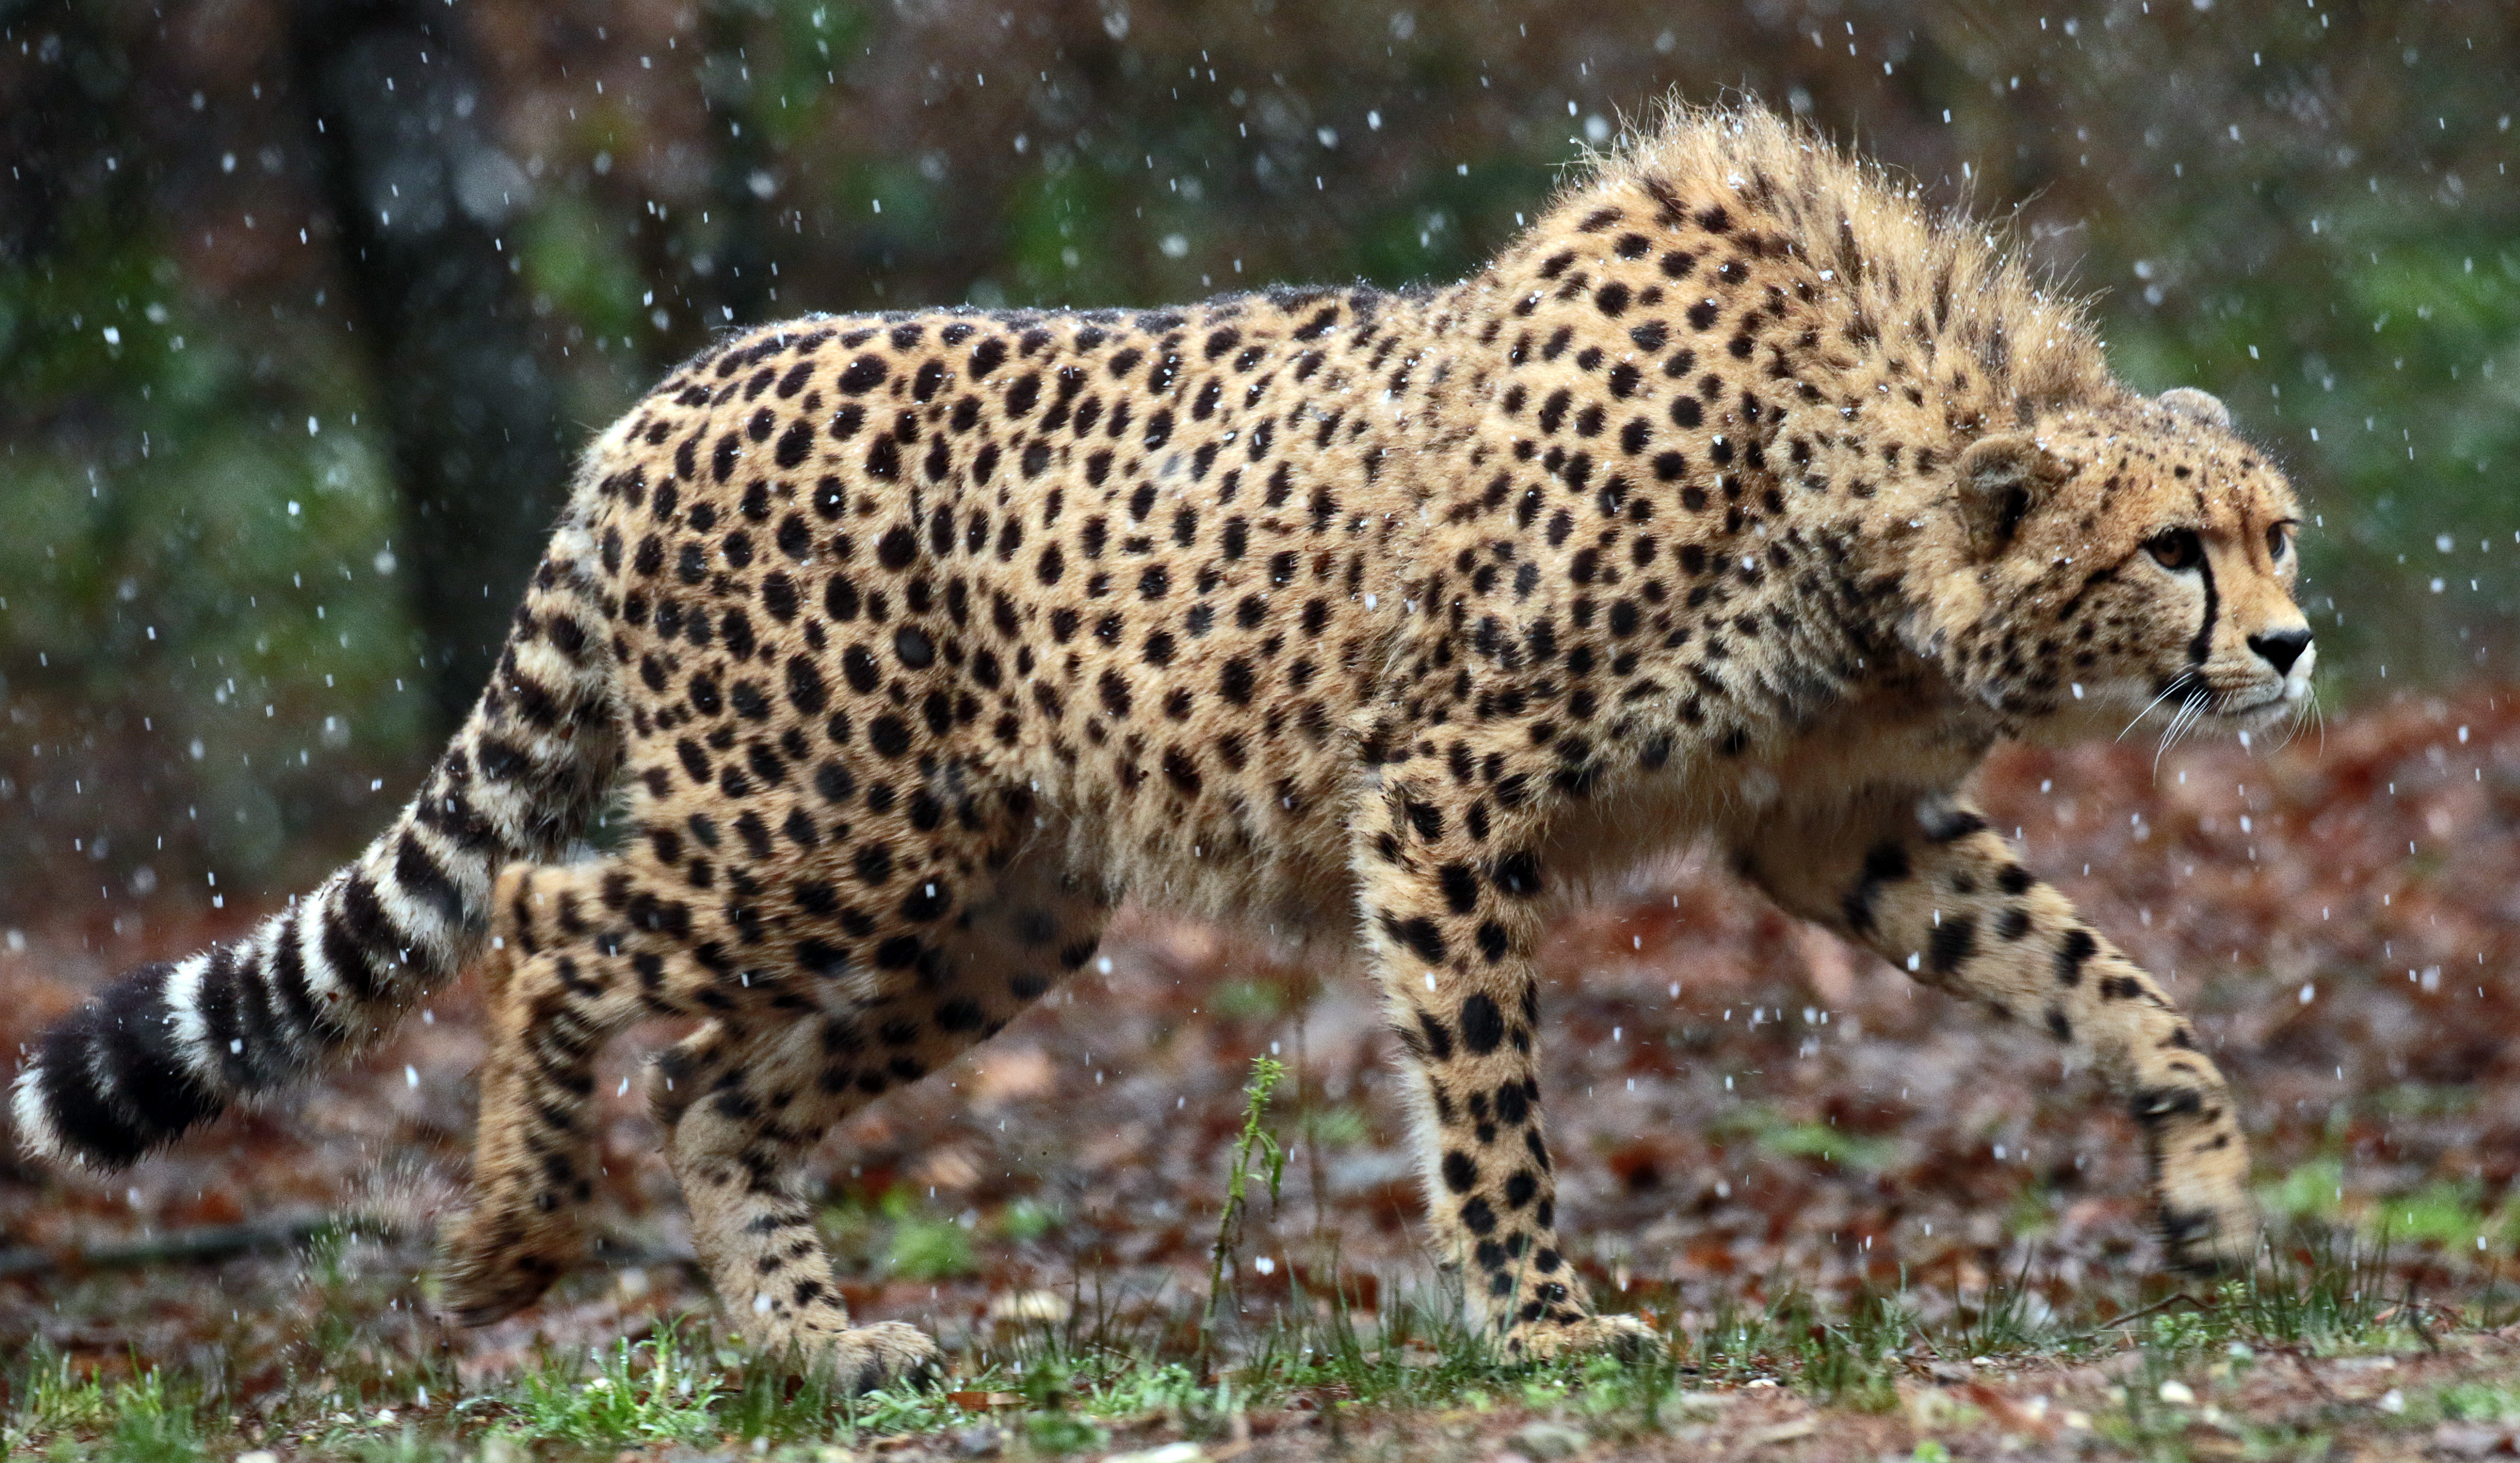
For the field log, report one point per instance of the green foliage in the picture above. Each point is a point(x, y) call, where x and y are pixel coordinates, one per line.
point(153, 1422)
point(1027, 1220)
point(1265, 1074)
point(1249, 1000)
point(1081, 1380)
point(2479, 1401)
point(2316, 1190)
point(1059, 1434)
point(2390, 390)
point(928, 1249)
point(579, 261)
point(1819, 1142)
point(923, 1247)
point(648, 1393)
point(2446, 1211)
point(54, 1397)
point(214, 572)
point(1337, 1124)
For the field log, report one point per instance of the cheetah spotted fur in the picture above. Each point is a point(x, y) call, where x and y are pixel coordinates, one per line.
point(1739, 500)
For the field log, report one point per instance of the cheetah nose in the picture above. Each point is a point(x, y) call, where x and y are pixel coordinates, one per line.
point(2281, 648)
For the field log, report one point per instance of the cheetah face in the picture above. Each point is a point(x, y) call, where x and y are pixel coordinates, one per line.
point(2137, 566)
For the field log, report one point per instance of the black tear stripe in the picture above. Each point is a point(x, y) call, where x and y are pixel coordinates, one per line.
point(2203, 645)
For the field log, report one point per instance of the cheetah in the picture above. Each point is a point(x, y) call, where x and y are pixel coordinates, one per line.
point(1740, 500)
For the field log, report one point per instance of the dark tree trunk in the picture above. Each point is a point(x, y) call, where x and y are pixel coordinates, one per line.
point(418, 190)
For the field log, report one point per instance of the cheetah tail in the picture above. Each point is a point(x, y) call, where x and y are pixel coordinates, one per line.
point(167, 1046)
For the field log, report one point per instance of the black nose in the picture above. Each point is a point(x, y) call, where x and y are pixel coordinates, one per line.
point(2281, 648)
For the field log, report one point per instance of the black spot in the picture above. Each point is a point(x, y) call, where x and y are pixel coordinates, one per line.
point(1887, 863)
point(888, 735)
point(926, 900)
point(897, 548)
point(916, 650)
point(1460, 1172)
point(2077, 947)
point(863, 375)
point(795, 443)
point(1951, 945)
point(806, 691)
point(1420, 936)
point(1482, 1023)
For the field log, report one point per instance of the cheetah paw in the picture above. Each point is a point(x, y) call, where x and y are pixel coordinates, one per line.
point(862, 1359)
point(491, 1268)
point(1621, 1336)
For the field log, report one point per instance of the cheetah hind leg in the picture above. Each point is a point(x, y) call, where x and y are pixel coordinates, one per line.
point(747, 1097)
point(552, 1000)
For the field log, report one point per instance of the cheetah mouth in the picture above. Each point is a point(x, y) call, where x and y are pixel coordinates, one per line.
point(2185, 706)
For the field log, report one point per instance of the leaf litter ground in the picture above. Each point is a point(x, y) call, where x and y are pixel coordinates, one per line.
point(1872, 1222)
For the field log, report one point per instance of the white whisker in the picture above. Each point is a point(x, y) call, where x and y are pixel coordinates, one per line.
point(2192, 710)
point(2177, 683)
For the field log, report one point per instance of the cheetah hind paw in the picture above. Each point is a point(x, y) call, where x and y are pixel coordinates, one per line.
point(860, 1360)
point(1624, 1337)
point(492, 1267)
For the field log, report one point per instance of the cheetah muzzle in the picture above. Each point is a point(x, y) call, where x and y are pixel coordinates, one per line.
point(1736, 501)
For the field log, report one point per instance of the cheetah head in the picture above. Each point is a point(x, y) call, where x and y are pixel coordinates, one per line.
point(2130, 565)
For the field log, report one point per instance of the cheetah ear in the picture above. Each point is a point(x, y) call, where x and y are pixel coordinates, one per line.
point(2204, 406)
point(1997, 481)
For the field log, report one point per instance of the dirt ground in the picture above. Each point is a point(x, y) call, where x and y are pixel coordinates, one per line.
point(1743, 1104)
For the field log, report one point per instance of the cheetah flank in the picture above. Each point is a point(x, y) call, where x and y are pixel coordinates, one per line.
point(1737, 500)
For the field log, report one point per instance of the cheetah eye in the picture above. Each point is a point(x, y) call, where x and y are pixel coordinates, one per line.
point(2175, 548)
point(2278, 540)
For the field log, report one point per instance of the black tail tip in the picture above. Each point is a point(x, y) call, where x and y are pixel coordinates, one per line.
point(111, 1082)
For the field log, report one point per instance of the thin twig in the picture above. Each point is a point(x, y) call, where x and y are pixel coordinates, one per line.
point(213, 1242)
point(2164, 1303)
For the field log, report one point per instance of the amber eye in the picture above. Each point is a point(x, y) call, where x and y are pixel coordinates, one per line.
point(2175, 548)
point(2278, 540)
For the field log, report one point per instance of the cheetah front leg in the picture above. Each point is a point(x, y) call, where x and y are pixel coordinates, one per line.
point(1450, 888)
point(741, 1117)
point(1923, 881)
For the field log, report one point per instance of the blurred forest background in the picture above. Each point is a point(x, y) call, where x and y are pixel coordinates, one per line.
point(306, 307)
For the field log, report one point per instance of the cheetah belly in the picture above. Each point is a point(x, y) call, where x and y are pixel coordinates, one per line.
point(1898, 737)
